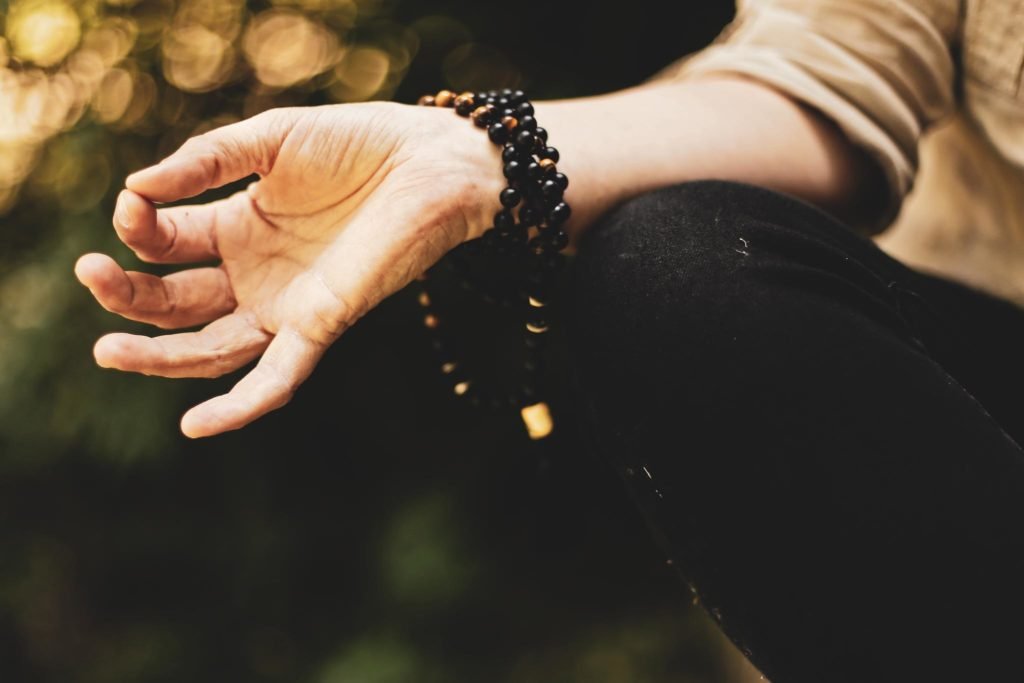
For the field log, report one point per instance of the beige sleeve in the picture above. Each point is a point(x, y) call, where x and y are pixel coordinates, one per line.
point(882, 70)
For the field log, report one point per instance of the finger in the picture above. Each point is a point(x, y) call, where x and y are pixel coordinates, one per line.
point(223, 346)
point(214, 159)
point(183, 299)
point(288, 361)
point(180, 234)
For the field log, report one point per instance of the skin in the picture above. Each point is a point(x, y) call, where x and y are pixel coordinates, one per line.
point(356, 200)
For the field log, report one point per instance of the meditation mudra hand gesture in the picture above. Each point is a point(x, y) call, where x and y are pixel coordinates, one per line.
point(356, 200)
point(353, 202)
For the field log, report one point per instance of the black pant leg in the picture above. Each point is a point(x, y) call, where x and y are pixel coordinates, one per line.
point(843, 506)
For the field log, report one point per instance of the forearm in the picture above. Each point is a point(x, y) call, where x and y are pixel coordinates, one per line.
point(619, 145)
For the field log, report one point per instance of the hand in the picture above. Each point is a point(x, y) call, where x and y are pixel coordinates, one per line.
point(353, 202)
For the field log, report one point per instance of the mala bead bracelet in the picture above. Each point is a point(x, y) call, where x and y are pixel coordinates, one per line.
point(527, 235)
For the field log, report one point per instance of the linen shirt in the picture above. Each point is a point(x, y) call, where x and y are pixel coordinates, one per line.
point(933, 90)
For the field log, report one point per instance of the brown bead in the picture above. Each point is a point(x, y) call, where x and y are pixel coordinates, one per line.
point(426, 101)
point(510, 123)
point(465, 98)
point(445, 98)
point(424, 299)
point(481, 111)
point(431, 321)
point(547, 165)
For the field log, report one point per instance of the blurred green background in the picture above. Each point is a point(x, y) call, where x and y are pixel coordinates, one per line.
point(371, 532)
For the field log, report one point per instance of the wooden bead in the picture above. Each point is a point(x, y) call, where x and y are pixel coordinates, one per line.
point(510, 123)
point(464, 104)
point(426, 101)
point(547, 165)
point(445, 98)
point(481, 115)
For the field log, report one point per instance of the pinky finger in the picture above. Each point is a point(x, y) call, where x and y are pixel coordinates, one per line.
point(287, 362)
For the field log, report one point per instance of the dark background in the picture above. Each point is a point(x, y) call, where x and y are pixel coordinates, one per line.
point(373, 531)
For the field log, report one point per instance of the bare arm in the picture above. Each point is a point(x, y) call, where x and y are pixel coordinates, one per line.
point(619, 145)
point(356, 200)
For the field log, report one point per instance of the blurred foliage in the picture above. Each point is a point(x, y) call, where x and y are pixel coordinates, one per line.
point(372, 532)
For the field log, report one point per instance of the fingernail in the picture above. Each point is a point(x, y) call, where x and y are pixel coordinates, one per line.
point(121, 212)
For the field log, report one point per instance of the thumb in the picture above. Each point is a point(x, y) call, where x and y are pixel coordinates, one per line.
point(218, 157)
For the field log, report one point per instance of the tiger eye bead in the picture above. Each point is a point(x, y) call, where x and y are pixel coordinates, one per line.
point(426, 101)
point(444, 98)
point(510, 123)
point(464, 104)
point(547, 166)
point(481, 116)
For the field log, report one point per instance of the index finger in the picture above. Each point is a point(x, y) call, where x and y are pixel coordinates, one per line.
point(213, 159)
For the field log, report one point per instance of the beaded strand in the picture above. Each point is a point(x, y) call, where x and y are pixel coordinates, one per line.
point(527, 233)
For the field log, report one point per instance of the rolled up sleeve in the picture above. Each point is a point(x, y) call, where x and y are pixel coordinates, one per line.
point(882, 70)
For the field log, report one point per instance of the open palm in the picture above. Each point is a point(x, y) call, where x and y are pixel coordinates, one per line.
point(353, 202)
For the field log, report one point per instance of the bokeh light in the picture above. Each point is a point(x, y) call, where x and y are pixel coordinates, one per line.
point(286, 48)
point(108, 514)
point(42, 31)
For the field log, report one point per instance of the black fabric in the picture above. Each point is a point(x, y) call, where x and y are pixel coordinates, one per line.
point(822, 439)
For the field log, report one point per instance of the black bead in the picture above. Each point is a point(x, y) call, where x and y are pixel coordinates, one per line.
point(497, 133)
point(479, 97)
point(524, 140)
point(490, 99)
point(549, 153)
point(561, 179)
point(559, 240)
point(527, 122)
point(534, 171)
point(519, 236)
point(510, 197)
point(514, 170)
point(508, 111)
point(528, 215)
point(535, 341)
point(517, 96)
point(501, 102)
point(552, 261)
point(525, 109)
point(551, 189)
point(559, 214)
point(542, 134)
point(504, 220)
point(509, 153)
